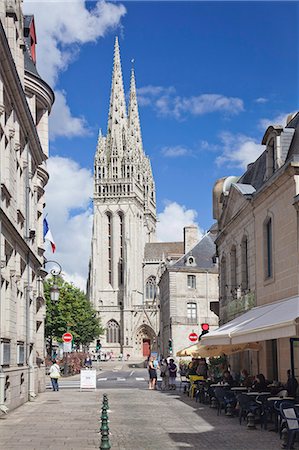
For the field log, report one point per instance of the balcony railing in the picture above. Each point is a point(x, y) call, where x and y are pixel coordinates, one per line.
point(238, 306)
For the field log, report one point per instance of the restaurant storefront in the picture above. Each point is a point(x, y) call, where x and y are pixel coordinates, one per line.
point(273, 327)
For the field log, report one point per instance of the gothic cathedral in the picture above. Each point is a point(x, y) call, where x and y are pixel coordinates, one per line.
point(124, 223)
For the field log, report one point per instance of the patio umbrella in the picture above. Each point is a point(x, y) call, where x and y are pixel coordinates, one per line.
point(207, 351)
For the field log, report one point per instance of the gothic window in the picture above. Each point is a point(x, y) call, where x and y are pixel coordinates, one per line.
point(244, 263)
point(109, 221)
point(121, 244)
point(150, 288)
point(191, 281)
point(233, 268)
point(268, 247)
point(113, 332)
point(192, 310)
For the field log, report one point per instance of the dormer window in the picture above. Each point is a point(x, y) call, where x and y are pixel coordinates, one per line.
point(270, 162)
point(190, 261)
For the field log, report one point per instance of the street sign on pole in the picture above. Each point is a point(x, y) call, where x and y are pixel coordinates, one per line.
point(67, 347)
point(67, 337)
point(193, 337)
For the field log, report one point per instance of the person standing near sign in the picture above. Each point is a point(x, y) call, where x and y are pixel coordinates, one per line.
point(54, 375)
point(152, 371)
point(88, 362)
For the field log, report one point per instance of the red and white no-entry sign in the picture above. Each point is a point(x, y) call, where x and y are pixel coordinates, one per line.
point(67, 337)
point(193, 337)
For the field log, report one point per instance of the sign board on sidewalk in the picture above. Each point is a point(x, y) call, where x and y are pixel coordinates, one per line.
point(193, 337)
point(67, 347)
point(88, 379)
point(67, 337)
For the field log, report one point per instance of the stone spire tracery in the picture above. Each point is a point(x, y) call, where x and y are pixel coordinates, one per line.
point(134, 130)
point(117, 117)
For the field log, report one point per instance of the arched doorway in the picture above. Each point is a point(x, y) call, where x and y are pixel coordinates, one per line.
point(145, 341)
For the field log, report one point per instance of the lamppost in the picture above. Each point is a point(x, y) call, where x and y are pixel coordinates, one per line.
point(54, 289)
point(55, 272)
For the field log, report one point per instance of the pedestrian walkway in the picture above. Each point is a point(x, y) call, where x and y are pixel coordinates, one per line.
point(139, 419)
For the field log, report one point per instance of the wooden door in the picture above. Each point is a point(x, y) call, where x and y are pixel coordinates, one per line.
point(146, 350)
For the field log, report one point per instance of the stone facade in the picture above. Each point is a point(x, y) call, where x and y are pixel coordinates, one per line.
point(188, 292)
point(25, 102)
point(258, 242)
point(124, 221)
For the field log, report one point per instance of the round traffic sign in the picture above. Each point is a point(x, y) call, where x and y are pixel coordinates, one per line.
point(67, 337)
point(193, 337)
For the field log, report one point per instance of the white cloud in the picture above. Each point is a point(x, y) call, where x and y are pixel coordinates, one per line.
point(280, 119)
point(61, 121)
point(176, 151)
point(261, 100)
point(62, 27)
point(238, 150)
point(166, 103)
point(172, 220)
point(68, 195)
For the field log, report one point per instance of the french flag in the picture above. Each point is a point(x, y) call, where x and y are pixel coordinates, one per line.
point(48, 235)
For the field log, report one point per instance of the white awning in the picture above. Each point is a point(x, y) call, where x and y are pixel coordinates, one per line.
point(273, 321)
point(208, 351)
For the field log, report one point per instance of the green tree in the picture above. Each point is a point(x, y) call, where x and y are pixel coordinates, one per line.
point(73, 312)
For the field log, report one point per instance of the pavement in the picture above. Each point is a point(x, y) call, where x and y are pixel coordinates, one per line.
point(139, 419)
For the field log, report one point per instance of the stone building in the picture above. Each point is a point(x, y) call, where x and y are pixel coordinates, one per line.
point(124, 222)
point(258, 244)
point(188, 291)
point(25, 102)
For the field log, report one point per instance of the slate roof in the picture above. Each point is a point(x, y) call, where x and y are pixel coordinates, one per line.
point(154, 251)
point(28, 61)
point(202, 253)
point(255, 173)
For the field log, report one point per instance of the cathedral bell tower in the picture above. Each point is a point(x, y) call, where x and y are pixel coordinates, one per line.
point(124, 219)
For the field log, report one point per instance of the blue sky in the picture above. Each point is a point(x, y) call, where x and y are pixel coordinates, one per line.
point(211, 77)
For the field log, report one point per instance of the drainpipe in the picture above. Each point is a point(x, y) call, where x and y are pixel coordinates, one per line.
point(3, 407)
point(29, 355)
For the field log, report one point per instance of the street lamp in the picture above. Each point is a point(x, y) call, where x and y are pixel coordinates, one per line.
point(55, 272)
point(54, 289)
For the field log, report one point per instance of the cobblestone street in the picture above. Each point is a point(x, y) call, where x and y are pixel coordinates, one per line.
point(139, 420)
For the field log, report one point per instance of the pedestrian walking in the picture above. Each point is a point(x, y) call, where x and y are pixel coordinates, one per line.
point(88, 362)
point(164, 375)
point(172, 374)
point(55, 375)
point(152, 371)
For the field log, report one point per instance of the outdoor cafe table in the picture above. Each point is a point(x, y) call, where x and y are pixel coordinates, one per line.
point(255, 393)
point(226, 385)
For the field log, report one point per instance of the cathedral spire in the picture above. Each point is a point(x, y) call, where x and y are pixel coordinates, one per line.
point(117, 118)
point(133, 117)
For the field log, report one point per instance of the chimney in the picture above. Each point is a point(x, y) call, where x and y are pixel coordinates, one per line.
point(190, 237)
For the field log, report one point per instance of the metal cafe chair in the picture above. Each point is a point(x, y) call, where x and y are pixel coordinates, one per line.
point(290, 418)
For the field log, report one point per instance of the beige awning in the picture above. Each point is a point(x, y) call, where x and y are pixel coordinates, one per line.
point(272, 321)
point(208, 351)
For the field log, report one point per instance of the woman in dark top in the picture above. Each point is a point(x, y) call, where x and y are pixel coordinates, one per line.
point(259, 384)
point(152, 371)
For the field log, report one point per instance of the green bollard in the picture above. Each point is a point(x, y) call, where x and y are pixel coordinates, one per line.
point(105, 444)
point(104, 415)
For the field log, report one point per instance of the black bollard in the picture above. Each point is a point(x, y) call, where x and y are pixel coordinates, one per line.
point(105, 444)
